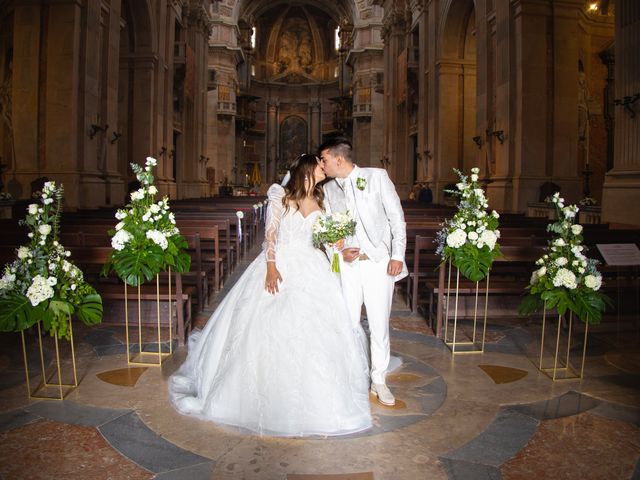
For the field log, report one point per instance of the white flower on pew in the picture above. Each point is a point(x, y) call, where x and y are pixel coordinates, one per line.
point(120, 239)
point(240, 214)
point(158, 238)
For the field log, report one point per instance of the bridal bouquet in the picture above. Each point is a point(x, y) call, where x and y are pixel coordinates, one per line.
point(566, 279)
point(329, 229)
point(42, 284)
point(470, 238)
point(146, 240)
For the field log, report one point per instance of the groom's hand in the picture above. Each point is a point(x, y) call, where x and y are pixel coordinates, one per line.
point(394, 268)
point(273, 277)
point(350, 254)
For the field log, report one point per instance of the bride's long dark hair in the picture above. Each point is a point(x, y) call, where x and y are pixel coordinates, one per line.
point(300, 169)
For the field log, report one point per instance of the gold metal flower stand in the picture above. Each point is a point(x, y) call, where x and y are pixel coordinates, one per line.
point(48, 390)
point(452, 335)
point(561, 368)
point(141, 357)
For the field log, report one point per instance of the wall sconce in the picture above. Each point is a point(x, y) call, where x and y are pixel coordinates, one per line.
point(627, 102)
point(116, 137)
point(93, 129)
point(162, 151)
point(477, 140)
point(499, 134)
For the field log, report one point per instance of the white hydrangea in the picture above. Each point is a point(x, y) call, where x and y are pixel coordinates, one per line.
point(158, 238)
point(561, 261)
point(39, 291)
point(489, 238)
point(594, 282)
point(137, 195)
point(120, 239)
point(44, 229)
point(565, 278)
point(576, 229)
point(457, 238)
point(7, 280)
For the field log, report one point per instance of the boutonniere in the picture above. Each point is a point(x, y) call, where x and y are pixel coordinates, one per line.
point(361, 183)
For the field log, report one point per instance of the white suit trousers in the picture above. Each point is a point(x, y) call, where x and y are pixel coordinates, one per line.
point(367, 281)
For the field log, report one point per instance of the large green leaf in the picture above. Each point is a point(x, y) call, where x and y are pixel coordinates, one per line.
point(17, 313)
point(531, 303)
point(133, 267)
point(473, 263)
point(90, 309)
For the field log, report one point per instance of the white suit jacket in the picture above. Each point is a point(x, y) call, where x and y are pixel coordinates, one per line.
point(380, 212)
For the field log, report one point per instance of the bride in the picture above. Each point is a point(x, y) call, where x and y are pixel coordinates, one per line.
point(279, 355)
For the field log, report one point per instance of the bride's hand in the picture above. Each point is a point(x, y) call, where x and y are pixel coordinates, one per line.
point(273, 277)
point(339, 245)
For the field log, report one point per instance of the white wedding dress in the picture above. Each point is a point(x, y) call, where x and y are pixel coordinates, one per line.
point(289, 364)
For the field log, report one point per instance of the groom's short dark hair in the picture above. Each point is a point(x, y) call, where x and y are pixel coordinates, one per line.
point(338, 146)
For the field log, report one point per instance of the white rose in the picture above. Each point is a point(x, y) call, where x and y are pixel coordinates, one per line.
point(473, 236)
point(47, 201)
point(23, 252)
point(460, 186)
point(73, 286)
point(594, 282)
point(542, 271)
point(475, 170)
point(495, 214)
point(154, 208)
point(44, 229)
point(576, 229)
point(561, 261)
point(33, 209)
point(121, 215)
point(151, 162)
point(152, 190)
point(119, 226)
point(474, 177)
point(52, 281)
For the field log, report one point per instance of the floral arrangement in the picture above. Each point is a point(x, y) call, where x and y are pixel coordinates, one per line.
point(470, 238)
point(330, 229)
point(42, 284)
point(566, 279)
point(146, 240)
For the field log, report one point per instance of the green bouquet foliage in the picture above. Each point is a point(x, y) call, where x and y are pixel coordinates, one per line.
point(566, 280)
point(470, 238)
point(42, 284)
point(146, 240)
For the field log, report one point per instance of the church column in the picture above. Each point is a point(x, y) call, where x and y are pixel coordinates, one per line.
point(621, 194)
point(272, 139)
point(314, 116)
point(25, 93)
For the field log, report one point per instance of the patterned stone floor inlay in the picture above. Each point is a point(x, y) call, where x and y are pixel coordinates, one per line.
point(589, 441)
point(123, 377)
point(48, 449)
point(500, 374)
point(345, 476)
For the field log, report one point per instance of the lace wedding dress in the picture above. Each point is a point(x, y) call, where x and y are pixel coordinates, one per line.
point(289, 364)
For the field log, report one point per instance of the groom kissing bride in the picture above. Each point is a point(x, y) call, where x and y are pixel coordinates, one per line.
point(284, 352)
point(374, 259)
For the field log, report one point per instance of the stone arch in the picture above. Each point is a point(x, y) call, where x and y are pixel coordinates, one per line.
point(136, 83)
point(458, 87)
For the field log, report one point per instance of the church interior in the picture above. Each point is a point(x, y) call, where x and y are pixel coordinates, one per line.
point(541, 96)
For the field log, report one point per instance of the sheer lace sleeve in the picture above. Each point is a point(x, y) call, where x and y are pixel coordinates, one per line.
point(274, 216)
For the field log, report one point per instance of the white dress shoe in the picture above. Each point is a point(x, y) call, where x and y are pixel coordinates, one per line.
point(383, 393)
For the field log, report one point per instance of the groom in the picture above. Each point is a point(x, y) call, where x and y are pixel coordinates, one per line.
point(374, 260)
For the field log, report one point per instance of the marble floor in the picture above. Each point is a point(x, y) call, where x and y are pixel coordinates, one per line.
point(490, 415)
